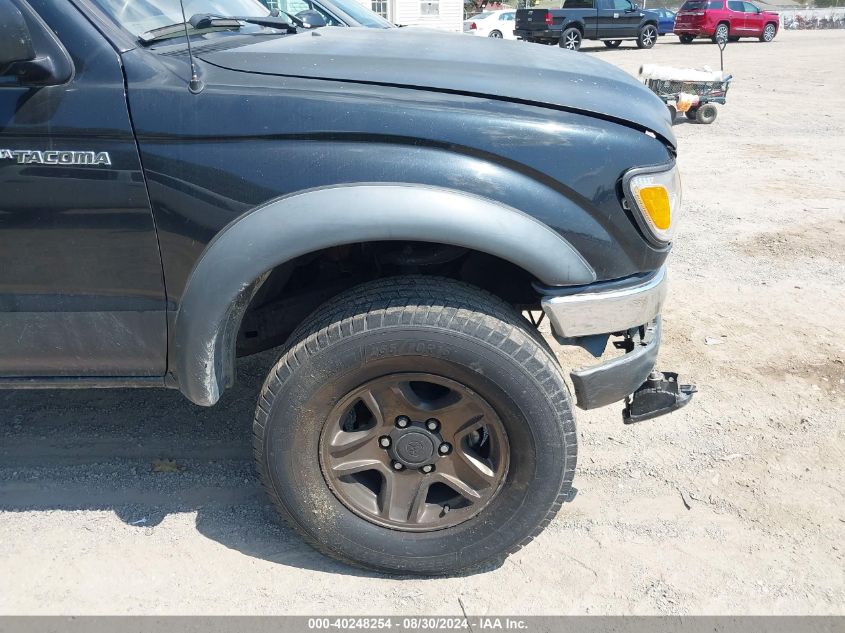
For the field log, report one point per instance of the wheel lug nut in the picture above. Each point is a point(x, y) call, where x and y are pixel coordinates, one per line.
point(445, 448)
point(384, 441)
point(427, 468)
point(403, 421)
point(397, 466)
point(432, 425)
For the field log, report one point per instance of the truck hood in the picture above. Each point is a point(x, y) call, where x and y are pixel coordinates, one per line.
point(479, 66)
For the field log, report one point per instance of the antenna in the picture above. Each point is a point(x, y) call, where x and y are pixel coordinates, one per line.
point(195, 85)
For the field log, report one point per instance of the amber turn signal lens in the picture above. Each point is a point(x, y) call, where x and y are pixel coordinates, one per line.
point(656, 203)
point(656, 194)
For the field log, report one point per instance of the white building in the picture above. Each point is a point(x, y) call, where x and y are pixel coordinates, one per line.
point(446, 15)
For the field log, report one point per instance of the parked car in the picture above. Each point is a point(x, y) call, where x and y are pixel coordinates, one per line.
point(495, 24)
point(334, 12)
point(176, 194)
point(724, 19)
point(665, 20)
point(611, 21)
point(476, 16)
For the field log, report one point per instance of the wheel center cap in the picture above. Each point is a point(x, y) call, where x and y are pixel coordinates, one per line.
point(414, 448)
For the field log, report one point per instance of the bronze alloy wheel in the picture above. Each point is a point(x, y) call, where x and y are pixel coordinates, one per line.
point(416, 425)
point(414, 451)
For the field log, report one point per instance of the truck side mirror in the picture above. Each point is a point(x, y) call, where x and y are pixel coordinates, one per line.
point(15, 38)
point(29, 56)
point(312, 19)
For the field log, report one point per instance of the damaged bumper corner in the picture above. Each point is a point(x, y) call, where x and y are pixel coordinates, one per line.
point(617, 378)
point(628, 307)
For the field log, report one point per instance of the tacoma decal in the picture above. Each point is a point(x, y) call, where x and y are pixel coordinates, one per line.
point(55, 157)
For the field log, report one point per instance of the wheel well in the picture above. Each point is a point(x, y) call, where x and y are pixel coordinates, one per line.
point(296, 288)
point(573, 25)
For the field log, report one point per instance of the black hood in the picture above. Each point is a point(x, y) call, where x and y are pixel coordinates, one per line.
point(431, 60)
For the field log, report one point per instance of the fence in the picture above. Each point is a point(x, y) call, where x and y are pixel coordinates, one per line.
point(813, 19)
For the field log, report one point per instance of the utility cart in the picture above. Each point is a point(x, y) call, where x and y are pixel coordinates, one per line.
point(695, 92)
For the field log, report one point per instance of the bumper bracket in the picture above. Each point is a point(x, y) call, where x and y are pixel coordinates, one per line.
point(658, 395)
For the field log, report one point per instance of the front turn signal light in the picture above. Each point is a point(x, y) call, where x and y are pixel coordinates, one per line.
point(656, 194)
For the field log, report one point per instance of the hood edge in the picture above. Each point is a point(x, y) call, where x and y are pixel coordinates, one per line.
point(479, 95)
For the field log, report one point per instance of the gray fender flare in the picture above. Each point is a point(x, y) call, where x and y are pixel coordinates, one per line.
point(236, 262)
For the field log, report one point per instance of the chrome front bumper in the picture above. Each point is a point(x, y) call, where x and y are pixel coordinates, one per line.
point(628, 307)
point(599, 311)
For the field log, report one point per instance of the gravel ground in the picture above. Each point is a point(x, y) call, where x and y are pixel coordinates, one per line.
point(732, 505)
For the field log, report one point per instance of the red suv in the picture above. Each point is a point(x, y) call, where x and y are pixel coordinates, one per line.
point(729, 19)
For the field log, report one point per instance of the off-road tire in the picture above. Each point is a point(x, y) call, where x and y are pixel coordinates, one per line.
point(706, 114)
point(647, 36)
point(571, 39)
point(417, 324)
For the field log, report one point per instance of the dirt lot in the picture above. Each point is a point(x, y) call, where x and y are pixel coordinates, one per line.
point(733, 505)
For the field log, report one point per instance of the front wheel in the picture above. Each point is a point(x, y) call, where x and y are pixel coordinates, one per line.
point(613, 43)
point(768, 33)
point(495, 34)
point(416, 425)
point(706, 114)
point(571, 39)
point(647, 37)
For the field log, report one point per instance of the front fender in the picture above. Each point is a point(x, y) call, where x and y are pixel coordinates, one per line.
point(234, 264)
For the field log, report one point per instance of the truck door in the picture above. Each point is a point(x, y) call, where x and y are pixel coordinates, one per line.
point(81, 287)
point(629, 18)
point(619, 19)
point(604, 19)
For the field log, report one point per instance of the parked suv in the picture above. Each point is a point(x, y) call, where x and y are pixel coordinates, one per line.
point(724, 19)
point(327, 192)
point(611, 21)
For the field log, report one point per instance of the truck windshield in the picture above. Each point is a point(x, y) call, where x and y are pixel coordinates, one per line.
point(140, 16)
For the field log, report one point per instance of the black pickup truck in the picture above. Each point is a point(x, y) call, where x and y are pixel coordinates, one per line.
point(611, 21)
point(175, 193)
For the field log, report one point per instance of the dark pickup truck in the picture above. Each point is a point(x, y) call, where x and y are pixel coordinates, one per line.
point(340, 196)
point(611, 21)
